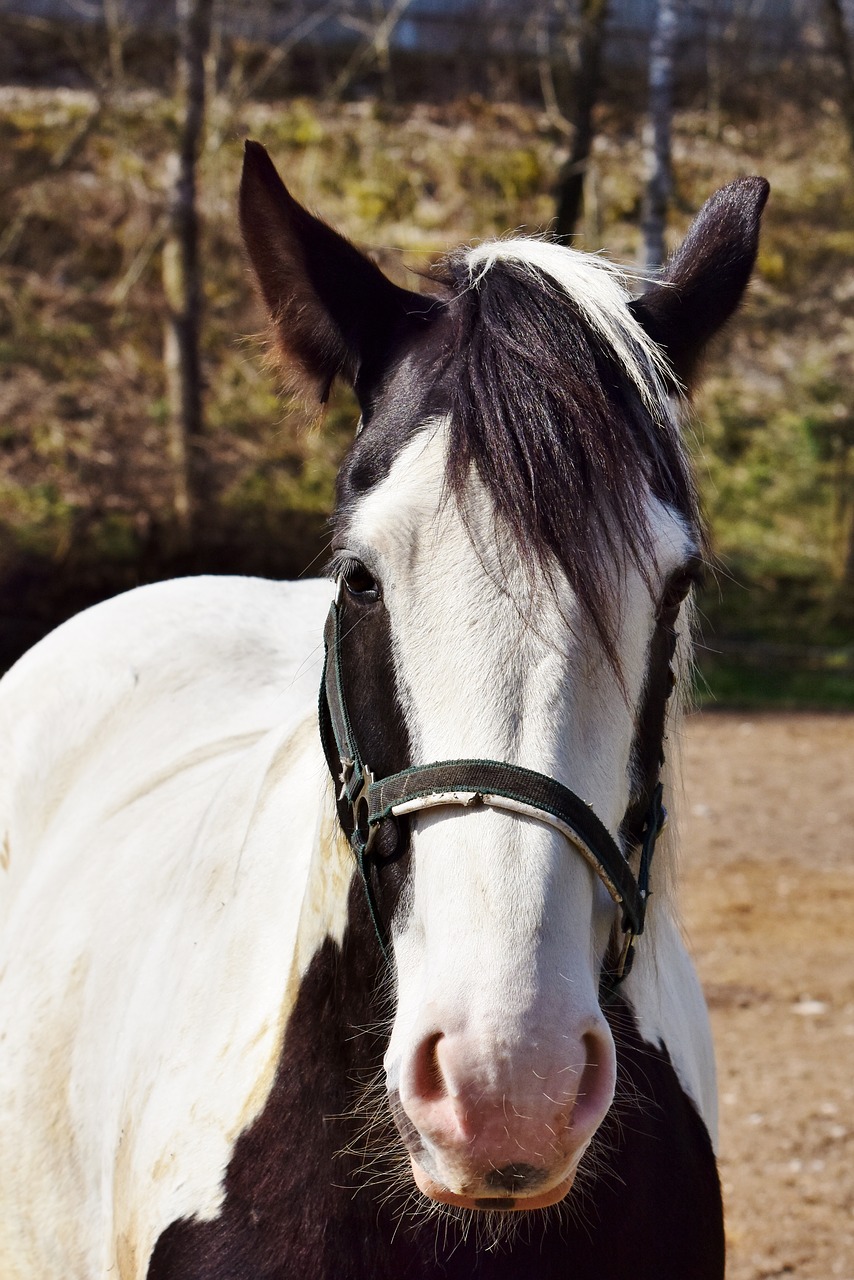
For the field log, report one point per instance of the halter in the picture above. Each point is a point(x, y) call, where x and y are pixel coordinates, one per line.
point(364, 802)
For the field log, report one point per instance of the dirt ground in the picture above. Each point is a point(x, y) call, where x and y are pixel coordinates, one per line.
point(768, 876)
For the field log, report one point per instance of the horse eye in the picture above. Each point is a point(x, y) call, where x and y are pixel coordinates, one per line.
point(358, 581)
point(677, 588)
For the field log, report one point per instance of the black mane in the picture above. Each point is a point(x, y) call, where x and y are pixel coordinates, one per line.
point(558, 431)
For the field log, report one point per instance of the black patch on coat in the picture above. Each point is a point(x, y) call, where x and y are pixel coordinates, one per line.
point(296, 1208)
point(414, 389)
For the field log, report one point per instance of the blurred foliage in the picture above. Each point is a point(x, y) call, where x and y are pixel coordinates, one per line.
point(84, 480)
point(745, 683)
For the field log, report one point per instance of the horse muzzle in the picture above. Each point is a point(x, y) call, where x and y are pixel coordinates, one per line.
point(498, 1127)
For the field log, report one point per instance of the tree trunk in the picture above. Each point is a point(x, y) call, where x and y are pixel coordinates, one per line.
point(840, 45)
point(662, 53)
point(113, 21)
point(181, 277)
point(570, 183)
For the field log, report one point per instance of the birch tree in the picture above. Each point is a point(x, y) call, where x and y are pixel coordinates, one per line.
point(181, 275)
point(662, 57)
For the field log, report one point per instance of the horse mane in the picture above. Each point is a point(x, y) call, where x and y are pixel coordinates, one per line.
point(562, 403)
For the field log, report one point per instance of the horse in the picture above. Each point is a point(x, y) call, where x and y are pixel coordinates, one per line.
point(390, 984)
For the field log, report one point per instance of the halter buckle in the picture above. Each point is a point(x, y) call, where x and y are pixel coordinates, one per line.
point(363, 831)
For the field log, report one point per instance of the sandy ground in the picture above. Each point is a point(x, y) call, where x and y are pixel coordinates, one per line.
point(768, 876)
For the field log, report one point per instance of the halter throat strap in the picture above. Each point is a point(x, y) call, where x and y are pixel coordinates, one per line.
point(365, 802)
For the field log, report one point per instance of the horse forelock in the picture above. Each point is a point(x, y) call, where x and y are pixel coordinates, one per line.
point(565, 408)
point(598, 290)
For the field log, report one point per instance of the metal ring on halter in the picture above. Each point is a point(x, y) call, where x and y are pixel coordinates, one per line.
point(362, 825)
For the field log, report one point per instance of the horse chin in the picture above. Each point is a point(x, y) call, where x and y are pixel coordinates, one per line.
point(441, 1194)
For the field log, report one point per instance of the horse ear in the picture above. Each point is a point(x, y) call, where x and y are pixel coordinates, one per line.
point(704, 281)
point(333, 311)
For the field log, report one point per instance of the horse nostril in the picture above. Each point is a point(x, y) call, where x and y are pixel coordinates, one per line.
point(427, 1079)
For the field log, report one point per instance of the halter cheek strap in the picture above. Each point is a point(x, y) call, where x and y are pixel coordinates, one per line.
point(365, 802)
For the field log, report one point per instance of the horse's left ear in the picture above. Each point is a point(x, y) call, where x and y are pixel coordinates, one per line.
point(705, 280)
point(333, 310)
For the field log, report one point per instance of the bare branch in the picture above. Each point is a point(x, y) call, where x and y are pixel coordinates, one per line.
point(376, 49)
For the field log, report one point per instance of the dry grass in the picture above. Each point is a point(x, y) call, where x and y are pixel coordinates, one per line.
point(769, 899)
point(85, 489)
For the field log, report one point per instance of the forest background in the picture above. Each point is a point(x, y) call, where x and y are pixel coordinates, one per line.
point(409, 145)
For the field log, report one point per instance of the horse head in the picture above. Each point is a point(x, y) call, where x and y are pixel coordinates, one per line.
point(516, 536)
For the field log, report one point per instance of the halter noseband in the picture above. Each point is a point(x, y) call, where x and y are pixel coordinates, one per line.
point(364, 802)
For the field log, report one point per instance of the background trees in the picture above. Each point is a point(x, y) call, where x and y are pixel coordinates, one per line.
point(497, 123)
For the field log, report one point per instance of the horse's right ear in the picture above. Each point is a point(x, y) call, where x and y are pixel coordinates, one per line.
point(333, 311)
point(705, 280)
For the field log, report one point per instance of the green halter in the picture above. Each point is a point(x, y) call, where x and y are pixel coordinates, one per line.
point(364, 802)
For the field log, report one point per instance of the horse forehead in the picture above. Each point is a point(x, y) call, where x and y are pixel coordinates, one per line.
point(409, 519)
point(410, 502)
